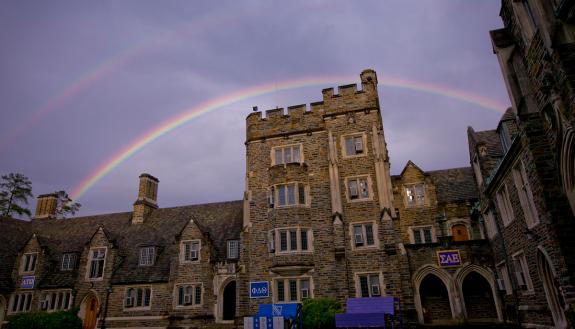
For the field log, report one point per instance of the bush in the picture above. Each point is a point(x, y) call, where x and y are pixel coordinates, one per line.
point(44, 320)
point(319, 313)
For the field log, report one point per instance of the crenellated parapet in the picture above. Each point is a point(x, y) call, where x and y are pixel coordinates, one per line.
point(305, 119)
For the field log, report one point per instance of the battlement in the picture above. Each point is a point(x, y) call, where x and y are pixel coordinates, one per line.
point(301, 118)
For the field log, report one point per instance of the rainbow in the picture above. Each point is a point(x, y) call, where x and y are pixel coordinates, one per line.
point(211, 105)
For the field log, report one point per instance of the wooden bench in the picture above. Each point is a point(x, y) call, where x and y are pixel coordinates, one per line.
point(366, 313)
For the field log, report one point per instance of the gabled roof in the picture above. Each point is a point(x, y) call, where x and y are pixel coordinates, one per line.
point(454, 185)
point(490, 138)
point(221, 221)
point(411, 164)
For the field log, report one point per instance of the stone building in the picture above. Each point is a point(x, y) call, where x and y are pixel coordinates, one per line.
point(524, 167)
point(321, 217)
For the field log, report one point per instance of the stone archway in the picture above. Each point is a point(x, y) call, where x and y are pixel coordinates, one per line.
point(479, 299)
point(435, 303)
point(229, 301)
point(427, 275)
point(551, 287)
point(89, 311)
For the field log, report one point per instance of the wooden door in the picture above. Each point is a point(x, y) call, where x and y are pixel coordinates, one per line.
point(91, 313)
point(459, 232)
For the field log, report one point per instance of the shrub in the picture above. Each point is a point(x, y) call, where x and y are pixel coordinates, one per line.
point(319, 313)
point(44, 320)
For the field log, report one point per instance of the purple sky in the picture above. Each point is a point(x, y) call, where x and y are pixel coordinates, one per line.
point(81, 80)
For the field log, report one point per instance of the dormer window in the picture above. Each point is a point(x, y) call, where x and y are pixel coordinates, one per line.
point(190, 251)
point(147, 256)
point(286, 154)
point(233, 249)
point(68, 261)
point(415, 195)
point(96, 263)
point(28, 264)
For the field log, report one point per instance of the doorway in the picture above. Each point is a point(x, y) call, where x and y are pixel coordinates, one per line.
point(229, 312)
point(91, 312)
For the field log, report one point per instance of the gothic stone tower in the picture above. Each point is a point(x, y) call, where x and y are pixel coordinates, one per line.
point(318, 201)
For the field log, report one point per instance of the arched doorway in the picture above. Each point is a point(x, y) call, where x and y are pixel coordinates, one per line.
point(478, 298)
point(459, 232)
point(551, 287)
point(229, 310)
point(434, 300)
point(90, 308)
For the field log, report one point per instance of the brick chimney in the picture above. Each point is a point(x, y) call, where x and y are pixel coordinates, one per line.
point(46, 206)
point(147, 198)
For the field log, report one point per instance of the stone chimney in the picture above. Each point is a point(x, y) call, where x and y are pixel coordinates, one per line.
point(147, 198)
point(46, 206)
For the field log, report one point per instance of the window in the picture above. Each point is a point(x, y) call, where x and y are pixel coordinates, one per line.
point(490, 224)
point(292, 290)
point(138, 298)
point(363, 235)
point(147, 256)
point(358, 188)
point(368, 285)
point(503, 279)
point(68, 261)
point(290, 240)
point(292, 194)
point(504, 205)
point(190, 251)
point(28, 264)
point(354, 145)
point(525, 195)
point(56, 300)
point(422, 234)
point(96, 263)
point(522, 273)
point(286, 154)
point(233, 249)
point(189, 295)
point(415, 195)
point(20, 302)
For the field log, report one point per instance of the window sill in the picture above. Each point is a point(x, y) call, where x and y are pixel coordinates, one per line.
point(189, 262)
point(294, 252)
point(359, 200)
point(290, 206)
point(136, 309)
point(94, 279)
point(187, 307)
point(364, 248)
point(345, 156)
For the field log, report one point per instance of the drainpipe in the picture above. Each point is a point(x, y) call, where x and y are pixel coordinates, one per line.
point(108, 291)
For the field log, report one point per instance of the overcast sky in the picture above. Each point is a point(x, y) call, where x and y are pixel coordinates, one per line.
point(80, 80)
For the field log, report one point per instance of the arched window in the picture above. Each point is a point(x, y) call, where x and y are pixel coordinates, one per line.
point(459, 232)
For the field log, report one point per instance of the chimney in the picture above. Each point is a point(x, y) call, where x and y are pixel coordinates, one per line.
point(147, 198)
point(46, 206)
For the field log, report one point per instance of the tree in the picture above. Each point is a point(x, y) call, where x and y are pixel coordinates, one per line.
point(319, 313)
point(43, 320)
point(15, 189)
point(64, 205)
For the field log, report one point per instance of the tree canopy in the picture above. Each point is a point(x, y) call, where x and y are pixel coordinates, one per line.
point(15, 189)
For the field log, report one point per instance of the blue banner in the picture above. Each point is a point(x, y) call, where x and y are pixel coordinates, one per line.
point(260, 289)
point(28, 282)
point(449, 258)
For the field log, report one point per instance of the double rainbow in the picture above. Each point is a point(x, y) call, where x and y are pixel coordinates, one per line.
point(211, 105)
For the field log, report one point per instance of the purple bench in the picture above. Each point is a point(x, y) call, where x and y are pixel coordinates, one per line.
point(366, 313)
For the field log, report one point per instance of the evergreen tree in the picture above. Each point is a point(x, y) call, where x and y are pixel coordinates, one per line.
point(15, 189)
point(64, 205)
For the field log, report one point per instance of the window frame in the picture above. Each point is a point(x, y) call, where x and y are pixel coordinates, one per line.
point(149, 259)
point(343, 141)
point(418, 197)
point(364, 245)
point(193, 304)
point(421, 228)
point(520, 260)
point(275, 241)
point(229, 244)
point(182, 257)
point(273, 150)
point(369, 276)
point(359, 197)
point(24, 262)
point(89, 264)
point(525, 193)
point(71, 262)
point(274, 195)
point(136, 298)
point(27, 302)
point(503, 274)
point(286, 289)
point(56, 300)
point(504, 205)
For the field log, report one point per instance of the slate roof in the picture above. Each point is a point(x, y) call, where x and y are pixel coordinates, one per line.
point(490, 138)
point(219, 221)
point(453, 185)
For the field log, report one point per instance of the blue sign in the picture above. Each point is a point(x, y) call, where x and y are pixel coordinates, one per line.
point(288, 311)
point(260, 289)
point(28, 282)
point(449, 258)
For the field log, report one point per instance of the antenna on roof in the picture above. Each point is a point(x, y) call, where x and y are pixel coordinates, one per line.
point(255, 108)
